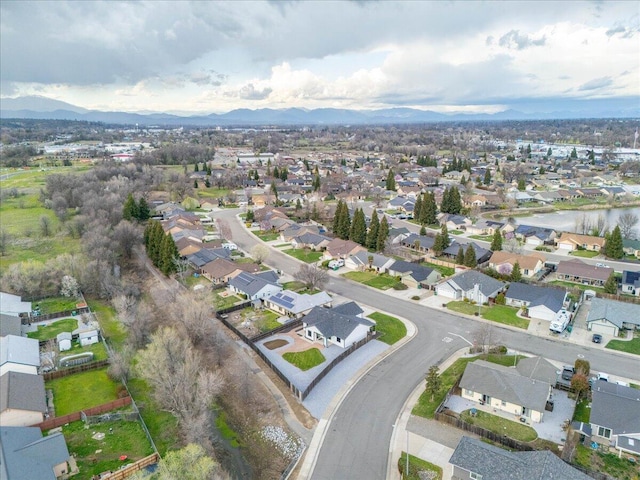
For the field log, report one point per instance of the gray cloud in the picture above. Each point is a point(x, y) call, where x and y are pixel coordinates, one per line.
point(514, 39)
point(595, 84)
point(250, 92)
point(612, 31)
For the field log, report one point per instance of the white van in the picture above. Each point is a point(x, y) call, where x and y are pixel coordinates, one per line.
point(230, 246)
point(336, 264)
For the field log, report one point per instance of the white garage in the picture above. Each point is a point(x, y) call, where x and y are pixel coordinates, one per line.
point(603, 327)
point(609, 316)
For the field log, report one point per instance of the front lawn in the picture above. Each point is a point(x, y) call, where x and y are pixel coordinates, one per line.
point(267, 236)
point(582, 412)
point(45, 332)
point(584, 253)
point(97, 456)
point(456, 232)
point(305, 360)
point(629, 346)
point(500, 425)
point(416, 468)
point(391, 328)
point(303, 254)
point(372, 279)
point(82, 390)
point(484, 238)
point(495, 313)
point(294, 286)
point(444, 270)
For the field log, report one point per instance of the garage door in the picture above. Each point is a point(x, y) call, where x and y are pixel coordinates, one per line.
point(604, 329)
point(565, 246)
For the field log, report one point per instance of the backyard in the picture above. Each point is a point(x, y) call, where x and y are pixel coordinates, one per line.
point(496, 313)
point(46, 332)
point(390, 328)
point(372, 279)
point(304, 254)
point(223, 299)
point(500, 425)
point(111, 328)
point(443, 269)
point(620, 468)
point(306, 359)
point(82, 390)
point(55, 304)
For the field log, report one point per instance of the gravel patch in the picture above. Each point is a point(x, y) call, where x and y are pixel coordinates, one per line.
point(288, 445)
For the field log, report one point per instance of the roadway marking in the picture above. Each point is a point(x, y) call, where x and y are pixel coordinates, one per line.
point(456, 335)
point(580, 355)
point(447, 339)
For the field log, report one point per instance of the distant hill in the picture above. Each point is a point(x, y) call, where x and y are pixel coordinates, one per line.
point(35, 107)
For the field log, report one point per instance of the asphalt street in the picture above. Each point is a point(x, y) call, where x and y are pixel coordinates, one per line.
point(357, 440)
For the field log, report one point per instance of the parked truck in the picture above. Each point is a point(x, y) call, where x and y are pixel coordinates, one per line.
point(560, 322)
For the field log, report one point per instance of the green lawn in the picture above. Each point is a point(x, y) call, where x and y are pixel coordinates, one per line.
point(267, 236)
point(308, 256)
point(416, 466)
point(225, 430)
point(267, 321)
point(581, 286)
point(456, 232)
point(630, 346)
point(390, 327)
point(306, 359)
point(82, 390)
point(227, 301)
point(111, 328)
point(484, 238)
point(294, 285)
point(381, 282)
point(162, 426)
point(500, 425)
point(582, 413)
point(53, 329)
point(97, 456)
point(444, 270)
point(98, 349)
point(584, 253)
point(426, 407)
point(55, 304)
point(495, 313)
point(212, 192)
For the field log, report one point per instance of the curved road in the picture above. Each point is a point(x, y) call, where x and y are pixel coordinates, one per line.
point(357, 440)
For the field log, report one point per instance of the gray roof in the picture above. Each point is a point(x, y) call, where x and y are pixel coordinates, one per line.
point(628, 443)
point(22, 391)
point(553, 298)
point(297, 303)
point(631, 278)
point(13, 305)
point(494, 463)
point(205, 255)
point(580, 269)
point(349, 308)
point(10, 325)
point(616, 407)
point(615, 312)
point(27, 455)
point(505, 384)
point(481, 252)
point(20, 350)
point(250, 283)
point(268, 275)
point(537, 368)
point(309, 238)
point(362, 258)
point(487, 285)
point(333, 324)
point(425, 241)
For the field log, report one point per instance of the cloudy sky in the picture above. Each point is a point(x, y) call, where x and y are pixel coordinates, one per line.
point(468, 56)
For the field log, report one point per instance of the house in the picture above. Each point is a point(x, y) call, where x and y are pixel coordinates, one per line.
point(631, 247)
point(338, 248)
point(534, 236)
point(414, 275)
point(255, 286)
point(349, 308)
point(13, 305)
point(221, 271)
point(454, 222)
point(472, 285)
point(64, 341)
point(631, 283)
point(478, 460)
point(542, 302)
point(482, 254)
point(421, 243)
point(476, 201)
point(538, 368)
point(396, 235)
point(579, 272)
point(327, 326)
point(573, 241)
point(505, 389)
point(503, 262)
point(10, 325)
point(313, 241)
point(296, 305)
point(88, 337)
point(486, 227)
point(615, 416)
point(27, 455)
point(22, 399)
point(609, 317)
point(364, 260)
point(19, 354)
point(205, 255)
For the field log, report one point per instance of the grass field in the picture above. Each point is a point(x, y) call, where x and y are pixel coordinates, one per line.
point(82, 390)
point(495, 313)
point(305, 360)
point(267, 236)
point(53, 329)
point(630, 346)
point(501, 426)
point(584, 253)
point(444, 270)
point(226, 431)
point(304, 255)
point(390, 327)
point(97, 456)
point(381, 282)
point(416, 467)
point(112, 329)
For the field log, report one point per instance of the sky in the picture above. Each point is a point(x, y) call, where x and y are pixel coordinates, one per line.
point(213, 57)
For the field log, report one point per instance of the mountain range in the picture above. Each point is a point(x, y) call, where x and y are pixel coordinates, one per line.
point(36, 107)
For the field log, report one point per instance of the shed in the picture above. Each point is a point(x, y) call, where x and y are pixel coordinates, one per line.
point(64, 341)
point(88, 337)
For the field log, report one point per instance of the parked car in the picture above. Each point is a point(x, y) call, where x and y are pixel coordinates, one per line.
point(567, 373)
point(336, 264)
point(597, 338)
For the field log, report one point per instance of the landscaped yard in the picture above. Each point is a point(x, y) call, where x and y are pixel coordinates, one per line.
point(381, 282)
point(306, 359)
point(500, 425)
point(55, 304)
point(224, 301)
point(629, 346)
point(97, 456)
point(82, 390)
point(391, 328)
point(617, 467)
point(582, 412)
point(45, 332)
point(416, 467)
point(584, 253)
point(267, 320)
point(444, 270)
point(495, 313)
point(303, 254)
point(267, 236)
point(581, 286)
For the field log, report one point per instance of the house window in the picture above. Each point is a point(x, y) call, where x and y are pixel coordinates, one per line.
point(631, 442)
point(503, 403)
point(468, 392)
point(604, 432)
point(475, 476)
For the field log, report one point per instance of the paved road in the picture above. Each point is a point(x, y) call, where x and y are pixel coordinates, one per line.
point(357, 442)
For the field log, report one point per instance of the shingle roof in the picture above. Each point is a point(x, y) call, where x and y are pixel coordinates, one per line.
point(494, 463)
point(425, 241)
point(362, 258)
point(616, 407)
point(10, 325)
point(349, 308)
point(581, 269)
point(22, 391)
point(455, 246)
point(27, 455)
point(553, 298)
point(21, 350)
point(297, 303)
point(615, 312)
point(631, 278)
point(250, 283)
point(467, 281)
point(13, 305)
point(333, 324)
point(538, 368)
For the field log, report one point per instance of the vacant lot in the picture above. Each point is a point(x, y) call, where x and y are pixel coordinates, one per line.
point(82, 390)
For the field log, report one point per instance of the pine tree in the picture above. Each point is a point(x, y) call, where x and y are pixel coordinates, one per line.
point(611, 285)
point(613, 246)
point(487, 177)
point(207, 183)
point(391, 181)
point(383, 233)
point(130, 209)
point(438, 245)
point(344, 226)
point(195, 168)
point(423, 230)
point(470, 259)
point(143, 210)
point(276, 172)
point(428, 210)
point(335, 227)
point(195, 184)
point(444, 233)
point(522, 185)
point(574, 153)
point(316, 183)
point(455, 201)
point(358, 231)
point(496, 242)
point(374, 227)
point(417, 207)
point(298, 205)
point(516, 273)
point(169, 253)
point(460, 256)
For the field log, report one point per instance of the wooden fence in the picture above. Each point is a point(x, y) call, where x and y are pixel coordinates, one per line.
point(619, 298)
point(27, 320)
point(75, 416)
point(282, 328)
point(76, 369)
point(234, 308)
point(129, 470)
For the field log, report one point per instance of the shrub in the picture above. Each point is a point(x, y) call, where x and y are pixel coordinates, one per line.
point(400, 286)
point(500, 299)
point(415, 297)
point(498, 349)
point(325, 264)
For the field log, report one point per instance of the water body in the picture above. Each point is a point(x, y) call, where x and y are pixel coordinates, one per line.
point(568, 220)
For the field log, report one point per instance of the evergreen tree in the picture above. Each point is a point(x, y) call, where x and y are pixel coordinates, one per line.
point(284, 174)
point(207, 183)
point(456, 201)
point(470, 259)
point(298, 205)
point(574, 153)
point(391, 181)
point(611, 285)
point(383, 233)
point(374, 227)
point(208, 170)
point(195, 168)
point(276, 172)
point(195, 184)
point(549, 152)
point(143, 210)
point(487, 177)
point(169, 253)
point(438, 245)
point(613, 246)
point(130, 209)
point(336, 218)
point(358, 231)
point(460, 256)
point(522, 185)
point(444, 233)
point(417, 207)
point(428, 210)
point(316, 183)
point(516, 273)
point(423, 230)
point(496, 242)
point(344, 221)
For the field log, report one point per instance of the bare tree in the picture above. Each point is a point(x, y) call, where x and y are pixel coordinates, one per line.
point(485, 337)
point(49, 354)
point(512, 245)
point(259, 253)
point(627, 222)
point(224, 229)
point(312, 276)
point(195, 314)
point(126, 236)
point(182, 267)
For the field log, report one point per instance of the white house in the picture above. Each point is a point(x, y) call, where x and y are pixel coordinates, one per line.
point(19, 354)
point(330, 327)
point(542, 302)
point(472, 285)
